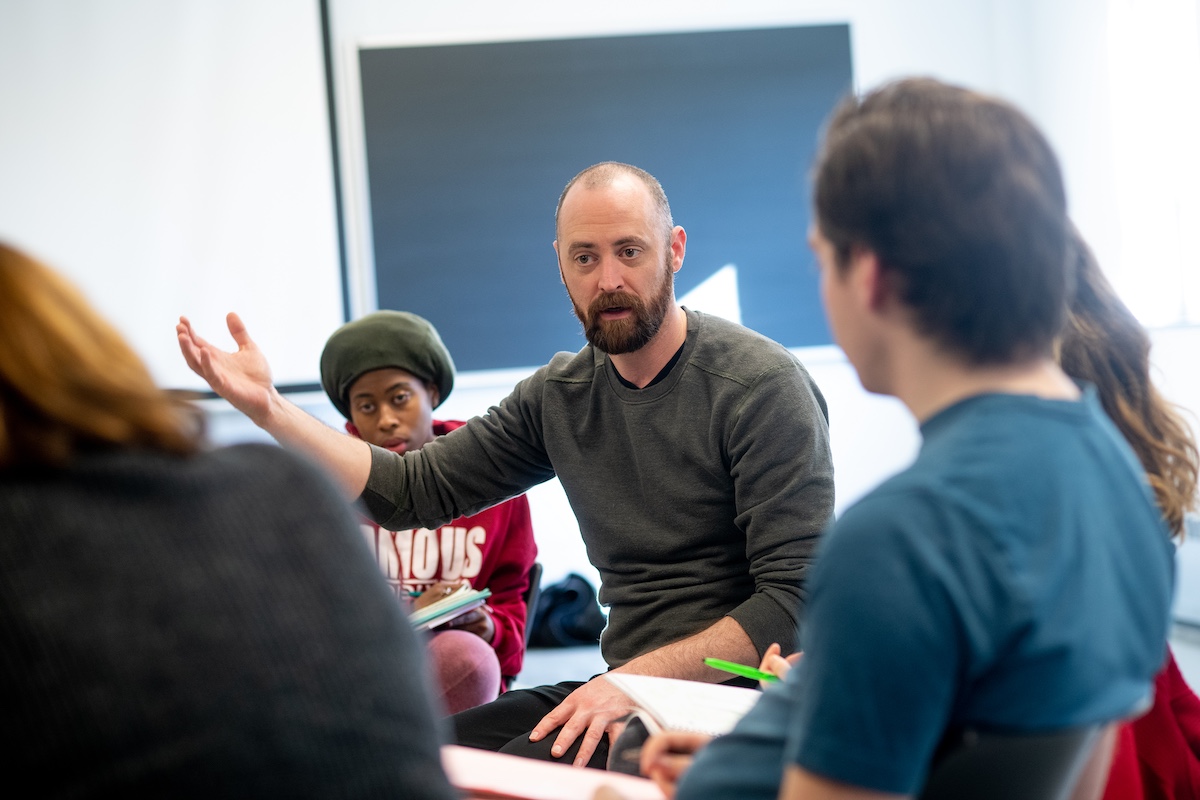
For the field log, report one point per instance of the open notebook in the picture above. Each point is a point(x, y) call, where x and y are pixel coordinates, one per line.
point(679, 705)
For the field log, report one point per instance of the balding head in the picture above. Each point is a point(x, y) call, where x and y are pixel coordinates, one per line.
point(605, 174)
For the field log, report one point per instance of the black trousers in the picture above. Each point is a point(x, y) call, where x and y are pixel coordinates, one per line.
point(503, 725)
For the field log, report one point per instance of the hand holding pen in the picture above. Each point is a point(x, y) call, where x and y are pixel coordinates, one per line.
point(776, 664)
point(772, 669)
point(437, 591)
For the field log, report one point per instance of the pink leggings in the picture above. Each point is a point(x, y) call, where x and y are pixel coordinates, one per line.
point(465, 668)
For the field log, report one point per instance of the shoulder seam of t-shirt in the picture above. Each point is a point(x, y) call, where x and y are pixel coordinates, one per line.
point(747, 382)
point(566, 371)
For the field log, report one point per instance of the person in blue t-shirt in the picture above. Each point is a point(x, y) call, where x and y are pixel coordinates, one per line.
point(1017, 577)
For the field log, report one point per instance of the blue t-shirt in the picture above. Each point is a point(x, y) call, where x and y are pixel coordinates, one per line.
point(1016, 577)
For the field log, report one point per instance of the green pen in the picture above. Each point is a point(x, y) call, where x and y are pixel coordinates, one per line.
point(741, 669)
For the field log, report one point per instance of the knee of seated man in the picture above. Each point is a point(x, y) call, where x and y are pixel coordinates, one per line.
point(512, 716)
point(521, 746)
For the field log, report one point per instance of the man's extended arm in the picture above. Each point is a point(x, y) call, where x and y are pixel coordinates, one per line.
point(244, 379)
point(491, 458)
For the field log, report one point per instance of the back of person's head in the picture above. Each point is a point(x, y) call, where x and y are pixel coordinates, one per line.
point(961, 199)
point(1105, 345)
point(69, 383)
point(397, 339)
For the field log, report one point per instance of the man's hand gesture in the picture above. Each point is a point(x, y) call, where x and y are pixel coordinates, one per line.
point(243, 377)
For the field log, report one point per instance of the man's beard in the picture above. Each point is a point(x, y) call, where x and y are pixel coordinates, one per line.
point(618, 336)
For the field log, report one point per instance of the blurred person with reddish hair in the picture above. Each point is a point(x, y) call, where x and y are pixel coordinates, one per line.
point(164, 630)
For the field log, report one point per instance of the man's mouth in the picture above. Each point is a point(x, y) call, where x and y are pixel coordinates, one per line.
point(396, 445)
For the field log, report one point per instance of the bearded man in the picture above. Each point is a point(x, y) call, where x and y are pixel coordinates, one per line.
point(694, 452)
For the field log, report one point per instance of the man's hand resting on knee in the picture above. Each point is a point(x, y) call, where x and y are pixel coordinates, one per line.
point(594, 708)
point(591, 710)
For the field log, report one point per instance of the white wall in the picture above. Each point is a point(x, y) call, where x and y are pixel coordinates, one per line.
point(174, 158)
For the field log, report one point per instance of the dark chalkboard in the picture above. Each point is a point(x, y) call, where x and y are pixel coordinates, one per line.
point(469, 146)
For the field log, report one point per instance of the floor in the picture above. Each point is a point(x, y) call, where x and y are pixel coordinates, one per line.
point(551, 665)
point(544, 665)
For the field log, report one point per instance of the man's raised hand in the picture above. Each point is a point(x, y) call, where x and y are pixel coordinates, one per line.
point(242, 377)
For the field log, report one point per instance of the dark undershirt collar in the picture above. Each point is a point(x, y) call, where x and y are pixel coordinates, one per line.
point(662, 373)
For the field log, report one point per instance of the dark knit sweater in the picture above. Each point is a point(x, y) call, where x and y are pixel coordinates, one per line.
point(698, 497)
point(202, 627)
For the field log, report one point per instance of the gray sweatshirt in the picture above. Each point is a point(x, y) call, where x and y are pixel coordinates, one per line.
point(699, 497)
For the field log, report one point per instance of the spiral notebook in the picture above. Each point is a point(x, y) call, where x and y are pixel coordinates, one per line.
point(678, 705)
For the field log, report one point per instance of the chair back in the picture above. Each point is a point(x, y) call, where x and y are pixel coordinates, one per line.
point(977, 765)
point(532, 593)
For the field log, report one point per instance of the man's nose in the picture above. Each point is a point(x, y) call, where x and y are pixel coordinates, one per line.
point(612, 275)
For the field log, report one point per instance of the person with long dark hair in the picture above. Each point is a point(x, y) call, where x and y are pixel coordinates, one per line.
point(1157, 755)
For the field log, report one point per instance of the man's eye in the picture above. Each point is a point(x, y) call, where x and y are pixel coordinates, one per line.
point(583, 260)
point(367, 408)
point(401, 399)
point(629, 252)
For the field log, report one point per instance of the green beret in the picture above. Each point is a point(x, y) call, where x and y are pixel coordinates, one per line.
point(384, 339)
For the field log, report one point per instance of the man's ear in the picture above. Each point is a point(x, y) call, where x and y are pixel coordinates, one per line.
point(558, 261)
point(874, 282)
point(435, 396)
point(678, 247)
